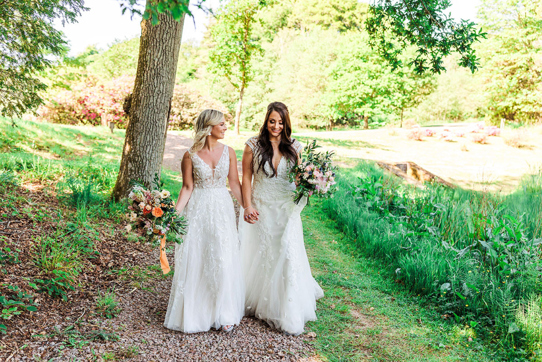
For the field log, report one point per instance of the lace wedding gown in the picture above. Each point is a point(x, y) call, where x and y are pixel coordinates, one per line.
point(207, 289)
point(279, 286)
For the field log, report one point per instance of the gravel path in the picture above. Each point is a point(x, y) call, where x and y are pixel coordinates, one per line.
point(73, 331)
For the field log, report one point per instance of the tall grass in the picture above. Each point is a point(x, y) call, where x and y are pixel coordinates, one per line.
point(476, 255)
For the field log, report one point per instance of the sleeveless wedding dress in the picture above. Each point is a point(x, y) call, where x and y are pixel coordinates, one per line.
point(280, 288)
point(207, 289)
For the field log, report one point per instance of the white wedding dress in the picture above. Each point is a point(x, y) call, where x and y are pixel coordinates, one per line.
point(280, 288)
point(207, 289)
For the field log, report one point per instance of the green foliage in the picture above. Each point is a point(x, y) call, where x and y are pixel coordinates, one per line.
point(15, 304)
point(471, 253)
point(120, 59)
point(529, 317)
point(362, 87)
point(396, 25)
point(234, 44)
point(107, 305)
point(513, 69)
point(8, 256)
point(57, 285)
point(29, 39)
point(457, 97)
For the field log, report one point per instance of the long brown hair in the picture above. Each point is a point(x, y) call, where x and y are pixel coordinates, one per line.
point(286, 144)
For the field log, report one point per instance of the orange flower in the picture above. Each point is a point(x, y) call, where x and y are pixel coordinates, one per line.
point(157, 212)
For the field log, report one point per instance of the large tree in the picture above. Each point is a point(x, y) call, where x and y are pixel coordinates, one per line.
point(27, 42)
point(234, 46)
point(149, 105)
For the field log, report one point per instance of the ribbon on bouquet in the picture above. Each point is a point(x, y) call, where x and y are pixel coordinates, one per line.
point(163, 258)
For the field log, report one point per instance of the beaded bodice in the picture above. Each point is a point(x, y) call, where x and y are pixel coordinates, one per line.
point(205, 177)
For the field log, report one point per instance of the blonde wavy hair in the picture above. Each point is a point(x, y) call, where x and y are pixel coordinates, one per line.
point(205, 121)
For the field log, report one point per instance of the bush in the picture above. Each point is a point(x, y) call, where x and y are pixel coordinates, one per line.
point(187, 103)
point(415, 134)
point(90, 102)
point(96, 103)
point(57, 285)
point(516, 138)
point(480, 138)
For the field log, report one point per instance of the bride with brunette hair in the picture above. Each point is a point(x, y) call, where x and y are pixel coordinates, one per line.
point(280, 288)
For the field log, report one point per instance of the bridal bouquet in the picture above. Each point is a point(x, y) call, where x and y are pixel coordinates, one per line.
point(153, 214)
point(314, 175)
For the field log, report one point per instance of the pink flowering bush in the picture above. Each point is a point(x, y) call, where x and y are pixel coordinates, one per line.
point(479, 138)
point(492, 131)
point(415, 134)
point(89, 102)
point(428, 132)
point(447, 136)
point(478, 127)
point(459, 134)
point(97, 103)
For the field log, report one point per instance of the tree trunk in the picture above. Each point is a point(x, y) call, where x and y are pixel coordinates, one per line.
point(365, 122)
point(150, 103)
point(239, 109)
point(401, 124)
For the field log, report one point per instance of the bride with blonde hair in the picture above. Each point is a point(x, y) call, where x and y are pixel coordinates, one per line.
point(207, 289)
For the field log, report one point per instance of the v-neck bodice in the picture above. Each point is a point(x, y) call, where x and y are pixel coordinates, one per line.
point(204, 177)
point(276, 187)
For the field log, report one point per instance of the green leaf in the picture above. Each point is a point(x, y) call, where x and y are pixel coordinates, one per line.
point(460, 295)
point(177, 12)
point(31, 308)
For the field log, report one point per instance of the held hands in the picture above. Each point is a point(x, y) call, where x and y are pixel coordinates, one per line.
point(251, 215)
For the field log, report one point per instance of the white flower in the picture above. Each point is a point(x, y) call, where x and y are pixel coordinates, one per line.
point(131, 195)
point(156, 193)
point(128, 228)
point(141, 205)
point(165, 194)
point(148, 207)
point(133, 216)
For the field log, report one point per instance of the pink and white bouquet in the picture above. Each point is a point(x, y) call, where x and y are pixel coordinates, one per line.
point(315, 175)
point(153, 213)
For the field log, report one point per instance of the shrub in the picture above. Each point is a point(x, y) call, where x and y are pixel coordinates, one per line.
point(94, 102)
point(447, 136)
point(90, 102)
point(492, 131)
point(187, 103)
point(428, 132)
point(56, 286)
point(480, 138)
point(415, 134)
point(516, 138)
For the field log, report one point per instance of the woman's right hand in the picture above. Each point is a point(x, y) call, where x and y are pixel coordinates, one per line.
point(251, 215)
